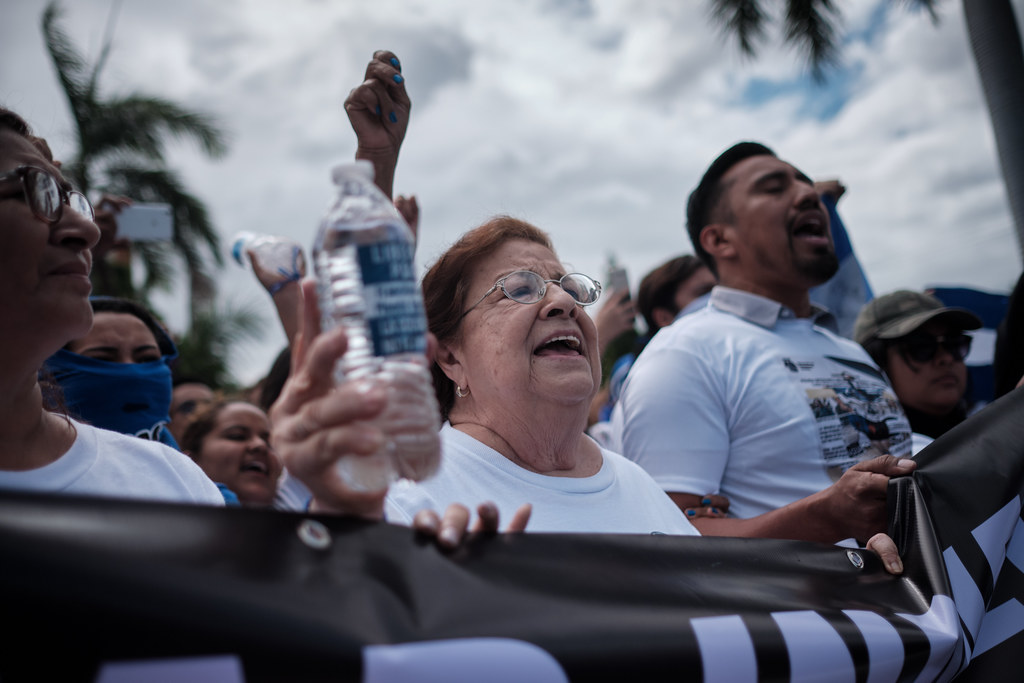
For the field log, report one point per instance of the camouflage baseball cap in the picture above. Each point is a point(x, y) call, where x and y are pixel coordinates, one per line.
point(900, 313)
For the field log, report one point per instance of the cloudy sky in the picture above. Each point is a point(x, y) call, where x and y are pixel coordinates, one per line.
point(590, 118)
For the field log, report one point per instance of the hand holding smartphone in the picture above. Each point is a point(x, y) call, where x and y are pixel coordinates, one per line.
point(618, 282)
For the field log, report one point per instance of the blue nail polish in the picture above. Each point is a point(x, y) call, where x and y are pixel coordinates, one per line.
point(714, 510)
point(691, 513)
point(395, 63)
point(392, 117)
point(397, 78)
point(705, 501)
point(377, 110)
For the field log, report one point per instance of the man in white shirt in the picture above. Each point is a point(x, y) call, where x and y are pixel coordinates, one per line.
point(753, 398)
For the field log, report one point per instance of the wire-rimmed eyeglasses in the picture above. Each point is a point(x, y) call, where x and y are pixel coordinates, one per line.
point(527, 287)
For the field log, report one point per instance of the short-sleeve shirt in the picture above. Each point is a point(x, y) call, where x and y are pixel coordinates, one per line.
point(114, 465)
point(746, 400)
point(620, 498)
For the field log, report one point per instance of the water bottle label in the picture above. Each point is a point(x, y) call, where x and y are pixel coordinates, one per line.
point(394, 307)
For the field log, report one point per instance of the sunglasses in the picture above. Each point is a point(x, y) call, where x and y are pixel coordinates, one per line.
point(922, 348)
point(44, 195)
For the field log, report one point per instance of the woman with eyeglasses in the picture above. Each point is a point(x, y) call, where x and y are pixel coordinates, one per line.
point(516, 368)
point(46, 233)
point(921, 345)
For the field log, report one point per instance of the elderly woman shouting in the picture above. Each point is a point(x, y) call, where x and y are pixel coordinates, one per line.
point(516, 368)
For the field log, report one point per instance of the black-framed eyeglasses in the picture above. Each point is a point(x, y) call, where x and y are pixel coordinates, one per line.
point(526, 287)
point(921, 348)
point(44, 195)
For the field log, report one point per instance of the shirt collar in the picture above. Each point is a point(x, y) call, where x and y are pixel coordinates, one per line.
point(763, 311)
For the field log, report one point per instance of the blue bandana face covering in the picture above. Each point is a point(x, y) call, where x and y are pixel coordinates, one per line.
point(131, 398)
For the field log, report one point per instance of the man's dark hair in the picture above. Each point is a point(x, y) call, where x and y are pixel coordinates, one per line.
point(708, 192)
point(658, 288)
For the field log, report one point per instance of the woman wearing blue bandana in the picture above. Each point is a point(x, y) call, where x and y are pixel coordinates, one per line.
point(117, 376)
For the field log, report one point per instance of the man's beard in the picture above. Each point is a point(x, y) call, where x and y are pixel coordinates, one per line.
point(819, 267)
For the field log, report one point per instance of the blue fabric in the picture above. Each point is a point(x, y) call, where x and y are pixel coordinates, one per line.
point(617, 376)
point(130, 398)
point(848, 290)
point(991, 308)
point(230, 498)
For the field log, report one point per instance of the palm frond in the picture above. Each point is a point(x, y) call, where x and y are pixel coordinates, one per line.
point(206, 347)
point(928, 6)
point(192, 223)
point(141, 125)
point(108, 41)
point(156, 257)
point(743, 18)
point(70, 65)
point(113, 278)
point(71, 71)
point(811, 25)
point(195, 239)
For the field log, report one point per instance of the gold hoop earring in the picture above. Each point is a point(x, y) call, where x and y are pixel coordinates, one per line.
point(458, 391)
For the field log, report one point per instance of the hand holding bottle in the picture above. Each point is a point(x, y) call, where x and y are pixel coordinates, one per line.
point(363, 257)
point(276, 261)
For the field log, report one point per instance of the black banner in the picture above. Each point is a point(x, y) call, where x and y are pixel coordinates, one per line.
point(294, 597)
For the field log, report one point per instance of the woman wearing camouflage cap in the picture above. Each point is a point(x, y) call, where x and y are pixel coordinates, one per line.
point(921, 345)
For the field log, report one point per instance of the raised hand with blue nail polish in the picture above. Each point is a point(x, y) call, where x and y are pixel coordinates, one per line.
point(378, 110)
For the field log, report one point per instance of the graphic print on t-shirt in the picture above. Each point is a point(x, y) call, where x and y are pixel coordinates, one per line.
point(857, 412)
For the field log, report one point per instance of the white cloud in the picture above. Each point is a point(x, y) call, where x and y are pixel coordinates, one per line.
point(592, 119)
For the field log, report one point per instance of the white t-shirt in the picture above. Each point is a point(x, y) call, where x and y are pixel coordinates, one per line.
point(744, 399)
point(620, 498)
point(113, 465)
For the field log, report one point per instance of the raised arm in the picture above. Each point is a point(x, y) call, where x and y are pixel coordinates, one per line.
point(378, 110)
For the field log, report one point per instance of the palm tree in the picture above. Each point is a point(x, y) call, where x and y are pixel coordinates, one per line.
point(995, 39)
point(121, 141)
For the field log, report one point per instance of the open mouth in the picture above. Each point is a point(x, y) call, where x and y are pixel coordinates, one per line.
point(257, 466)
point(811, 224)
point(563, 345)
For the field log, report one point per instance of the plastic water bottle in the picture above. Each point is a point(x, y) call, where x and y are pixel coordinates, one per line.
point(363, 258)
point(278, 255)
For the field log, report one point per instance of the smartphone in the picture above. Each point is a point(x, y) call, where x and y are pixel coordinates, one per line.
point(618, 282)
point(143, 222)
